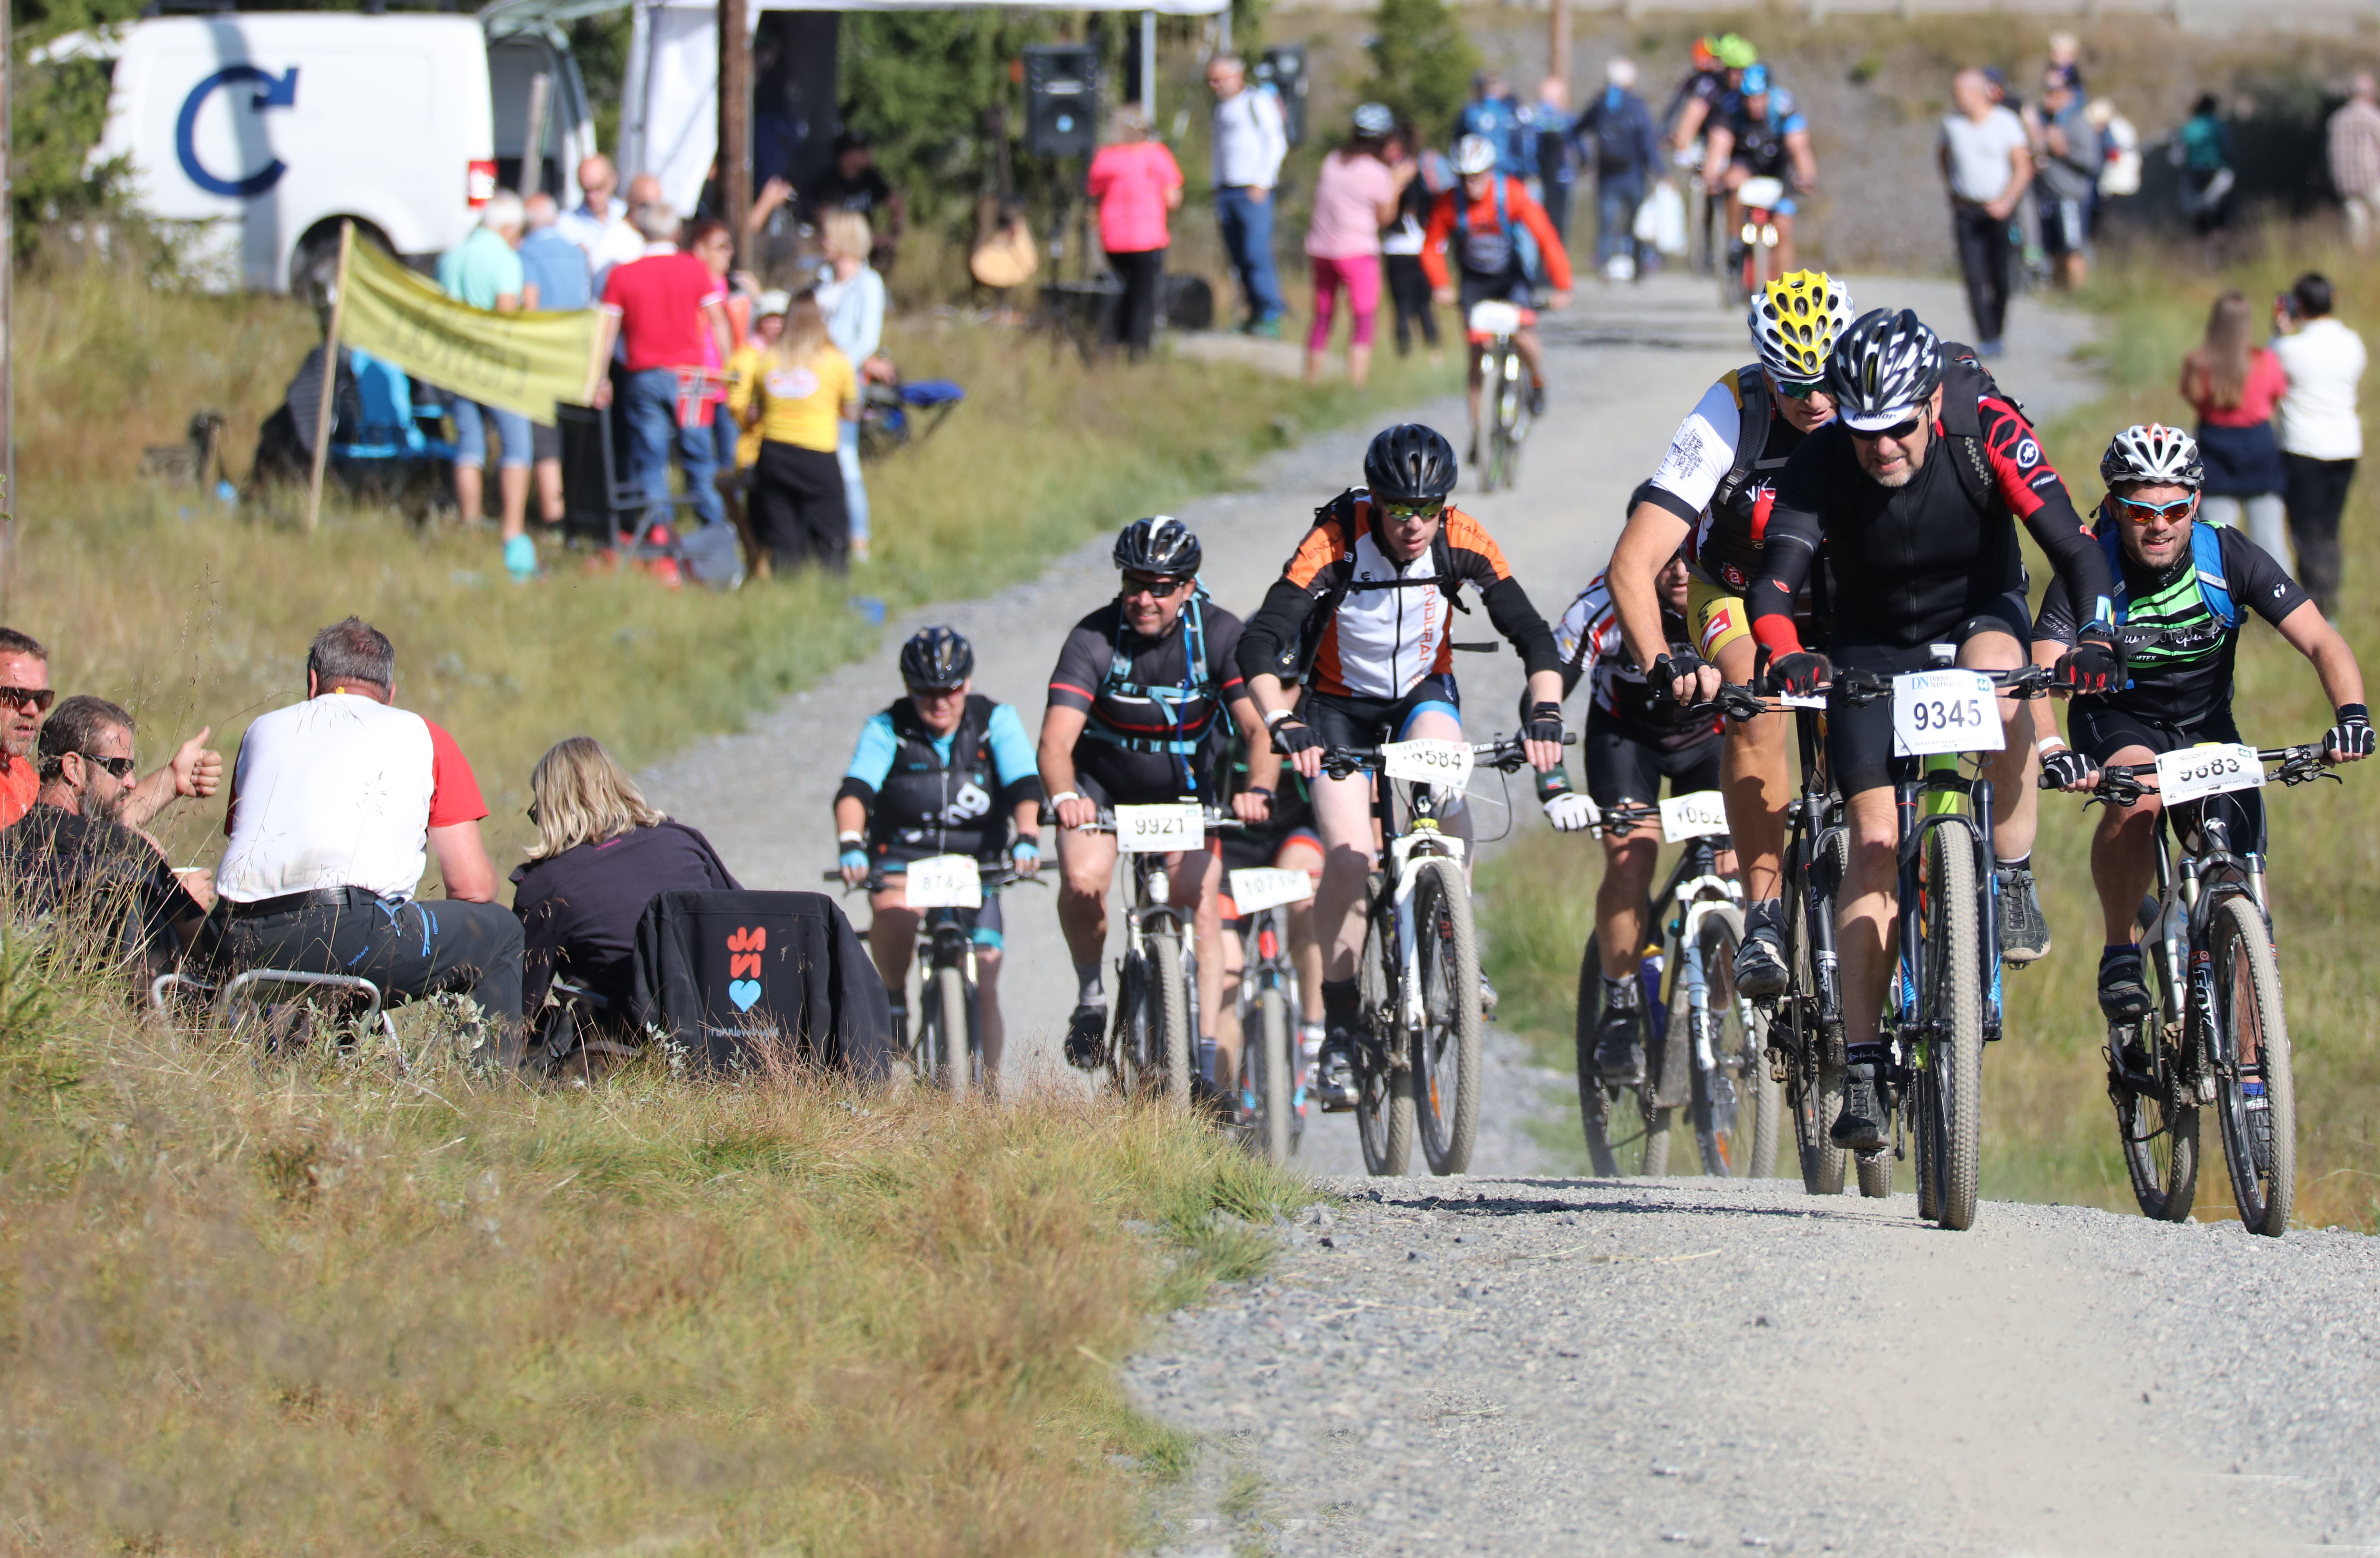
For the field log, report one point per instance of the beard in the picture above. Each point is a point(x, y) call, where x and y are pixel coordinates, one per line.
point(1900, 478)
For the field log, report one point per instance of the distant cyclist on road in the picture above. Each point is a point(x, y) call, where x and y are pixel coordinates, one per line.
point(1718, 63)
point(1636, 736)
point(1913, 491)
point(1714, 495)
point(941, 772)
point(1759, 132)
point(2183, 590)
point(1362, 614)
point(1137, 705)
point(1490, 227)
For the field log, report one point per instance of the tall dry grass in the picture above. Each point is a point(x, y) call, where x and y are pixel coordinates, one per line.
point(2048, 1130)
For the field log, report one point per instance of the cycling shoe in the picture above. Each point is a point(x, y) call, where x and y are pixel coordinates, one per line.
point(2123, 989)
point(2024, 932)
point(1334, 1072)
point(1760, 967)
point(1619, 1047)
point(1086, 1033)
point(1860, 1127)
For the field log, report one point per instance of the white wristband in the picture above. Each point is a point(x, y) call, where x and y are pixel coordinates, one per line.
point(851, 838)
point(2049, 744)
point(1063, 797)
point(1273, 719)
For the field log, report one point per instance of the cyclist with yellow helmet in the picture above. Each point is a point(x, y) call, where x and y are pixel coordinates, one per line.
point(1711, 496)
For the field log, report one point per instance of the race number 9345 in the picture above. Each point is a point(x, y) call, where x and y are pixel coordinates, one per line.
point(1936, 711)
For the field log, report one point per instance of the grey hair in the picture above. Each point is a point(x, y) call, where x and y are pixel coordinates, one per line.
point(352, 651)
point(503, 213)
point(540, 209)
point(657, 222)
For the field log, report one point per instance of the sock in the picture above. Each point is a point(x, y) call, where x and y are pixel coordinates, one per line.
point(1341, 1004)
point(2120, 951)
point(2021, 864)
point(1091, 981)
point(1621, 994)
point(1764, 914)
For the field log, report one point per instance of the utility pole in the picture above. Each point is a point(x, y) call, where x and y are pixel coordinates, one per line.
point(735, 121)
point(1558, 42)
point(8, 503)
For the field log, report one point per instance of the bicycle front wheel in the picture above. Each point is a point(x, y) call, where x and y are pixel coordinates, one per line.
point(1950, 1084)
point(1814, 1080)
point(1736, 1103)
point(1593, 1099)
point(2257, 1095)
point(952, 1029)
point(1132, 1041)
point(2158, 1134)
point(1384, 1102)
point(1170, 1007)
point(1445, 1050)
point(1274, 1090)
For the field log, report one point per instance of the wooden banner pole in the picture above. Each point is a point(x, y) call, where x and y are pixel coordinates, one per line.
point(330, 378)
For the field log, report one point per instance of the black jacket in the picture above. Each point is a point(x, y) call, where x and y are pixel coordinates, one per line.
point(737, 979)
point(579, 909)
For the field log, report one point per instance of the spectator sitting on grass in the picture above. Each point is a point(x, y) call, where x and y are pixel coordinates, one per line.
point(73, 851)
point(666, 300)
point(337, 804)
point(484, 271)
point(553, 276)
point(25, 694)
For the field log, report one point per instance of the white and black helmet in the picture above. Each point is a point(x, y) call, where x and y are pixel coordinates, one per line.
point(2153, 453)
point(1474, 154)
point(1161, 545)
point(1883, 368)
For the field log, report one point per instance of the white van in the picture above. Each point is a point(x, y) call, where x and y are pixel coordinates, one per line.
point(263, 129)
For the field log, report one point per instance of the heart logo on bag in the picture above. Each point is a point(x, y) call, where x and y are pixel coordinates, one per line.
point(753, 938)
point(743, 992)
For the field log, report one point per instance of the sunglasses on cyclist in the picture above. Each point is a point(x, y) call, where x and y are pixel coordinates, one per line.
point(935, 694)
point(1407, 513)
point(2140, 513)
point(1155, 589)
point(120, 767)
point(18, 697)
point(1899, 432)
point(1792, 390)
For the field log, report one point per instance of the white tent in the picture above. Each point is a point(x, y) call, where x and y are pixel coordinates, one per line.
point(669, 104)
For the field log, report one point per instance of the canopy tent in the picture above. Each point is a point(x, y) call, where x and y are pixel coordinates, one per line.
point(669, 103)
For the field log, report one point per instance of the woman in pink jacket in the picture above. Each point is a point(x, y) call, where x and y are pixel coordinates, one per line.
point(1135, 182)
point(1354, 196)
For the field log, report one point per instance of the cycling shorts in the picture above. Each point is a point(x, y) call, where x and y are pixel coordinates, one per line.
point(1859, 735)
point(1110, 776)
point(1622, 765)
point(1344, 720)
point(1510, 285)
point(2100, 732)
point(1715, 617)
point(984, 925)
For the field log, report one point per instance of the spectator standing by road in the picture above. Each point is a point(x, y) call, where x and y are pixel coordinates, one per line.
point(2070, 177)
point(555, 281)
point(599, 223)
point(853, 182)
point(795, 394)
point(2202, 151)
point(768, 325)
point(485, 271)
point(1136, 183)
point(1496, 115)
point(853, 301)
point(1401, 240)
point(1986, 162)
point(337, 805)
point(1627, 156)
point(2354, 146)
point(1249, 142)
point(2235, 383)
point(666, 302)
point(708, 240)
point(1355, 194)
point(2119, 151)
point(2322, 435)
point(1557, 155)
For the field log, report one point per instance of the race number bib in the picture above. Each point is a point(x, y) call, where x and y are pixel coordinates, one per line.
point(943, 882)
point(1695, 816)
point(1427, 760)
point(1254, 890)
point(2209, 771)
point(1159, 830)
point(1945, 712)
point(1493, 316)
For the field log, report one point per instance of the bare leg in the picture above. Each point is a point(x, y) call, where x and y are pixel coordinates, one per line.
point(2016, 807)
point(991, 1028)
point(511, 489)
point(471, 498)
point(1628, 866)
point(1865, 912)
point(1342, 813)
point(550, 503)
point(1196, 880)
point(1087, 864)
point(892, 939)
point(1305, 951)
point(1753, 775)
point(2123, 857)
point(1359, 366)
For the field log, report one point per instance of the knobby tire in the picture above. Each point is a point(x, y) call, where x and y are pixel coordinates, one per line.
point(1171, 1006)
point(1814, 1088)
point(1274, 1091)
point(954, 1025)
point(1594, 1100)
point(1445, 1050)
point(1950, 1088)
point(2261, 1144)
point(2158, 1136)
point(1384, 1104)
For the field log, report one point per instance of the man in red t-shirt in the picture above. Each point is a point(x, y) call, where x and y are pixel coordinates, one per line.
point(25, 697)
point(664, 301)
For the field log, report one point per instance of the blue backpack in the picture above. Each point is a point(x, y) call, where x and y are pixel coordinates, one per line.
point(2205, 560)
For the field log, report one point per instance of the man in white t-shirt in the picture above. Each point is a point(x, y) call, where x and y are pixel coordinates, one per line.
point(2322, 433)
point(337, 804)
point(1988, 162)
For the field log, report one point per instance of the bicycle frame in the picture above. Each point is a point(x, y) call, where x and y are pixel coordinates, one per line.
point(1913, 784)
point(1423, 838)
point(1815, 819)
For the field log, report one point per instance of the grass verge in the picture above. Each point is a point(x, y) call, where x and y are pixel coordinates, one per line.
point(2048, 1132)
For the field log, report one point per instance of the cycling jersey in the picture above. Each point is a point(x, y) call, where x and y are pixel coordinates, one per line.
point(1588, 640)
point(941, 794)
point(1760, 143)
point(1344, 615)
point(1707, 481)
point(1486, 245)
point(1154, 710)
point(2179, 636)
point(1911, 564)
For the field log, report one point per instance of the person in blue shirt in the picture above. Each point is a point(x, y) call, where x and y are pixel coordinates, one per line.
point(1759, 131)
point(1618, 130)
point(941, 772)
point(1504, 121)
point(1556, 167)
point(554, 280)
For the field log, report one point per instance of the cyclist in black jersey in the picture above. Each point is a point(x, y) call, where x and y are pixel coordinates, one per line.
point(2183, 590)
point(1713, 495)
point(1137, 717)
point(1636, 737)
point(1913, 490)
point(1758, 131)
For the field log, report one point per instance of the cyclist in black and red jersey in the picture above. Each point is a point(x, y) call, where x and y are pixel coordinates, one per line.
point(1913, 490)
point(1363, 610)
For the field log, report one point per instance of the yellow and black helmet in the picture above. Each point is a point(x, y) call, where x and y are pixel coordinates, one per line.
point(1794, 321)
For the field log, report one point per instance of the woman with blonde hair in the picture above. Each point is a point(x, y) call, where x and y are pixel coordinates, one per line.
point(853, 301)
point(600, 855)
point(799, 394)
point(2234, 384)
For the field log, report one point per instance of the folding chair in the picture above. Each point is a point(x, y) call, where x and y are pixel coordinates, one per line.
point(598, 504)
point(247, 998)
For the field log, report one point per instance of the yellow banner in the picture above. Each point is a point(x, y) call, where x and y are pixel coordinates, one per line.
point(522, 362)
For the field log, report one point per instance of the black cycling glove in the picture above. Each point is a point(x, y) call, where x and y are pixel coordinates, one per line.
point(2065, 768)
point(2092, 667)
point(2352, 737)
point(1667, 669)
point(1545, 723)
point(1800, 672)
point(1293, 736)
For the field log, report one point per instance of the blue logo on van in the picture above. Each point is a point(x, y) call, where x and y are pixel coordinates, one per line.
point(272, 92)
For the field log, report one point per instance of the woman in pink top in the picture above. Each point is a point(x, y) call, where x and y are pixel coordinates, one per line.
point(1135, 182)
point(1354, 196)
point(2234, 384)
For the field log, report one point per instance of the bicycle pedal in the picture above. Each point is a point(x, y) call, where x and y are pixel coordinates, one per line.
point(1781, 1065)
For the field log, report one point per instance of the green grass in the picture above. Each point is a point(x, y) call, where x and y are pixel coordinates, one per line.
point(2048, 1132)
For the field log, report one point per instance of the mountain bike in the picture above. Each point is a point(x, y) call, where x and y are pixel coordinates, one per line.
point(1270, 1096)
point(2218, 1036)
point(1153, 1038)
point(1756, 239)
point(945, 1046)
point(1503, 391)
point(1705, 1045)
point(1418, 1054)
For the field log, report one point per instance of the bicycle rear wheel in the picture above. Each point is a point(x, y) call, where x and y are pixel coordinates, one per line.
point(1949, 1086)
point(1445, 1050)
point(1384, 1104)
point(1274, 1088)
point(1736, 1105)
point(2257, 1095)
point(952, 1030)
point(1814, 1087)
point(1171, 1006)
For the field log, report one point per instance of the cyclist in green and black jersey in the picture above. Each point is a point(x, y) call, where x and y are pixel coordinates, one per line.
point(2182, 592)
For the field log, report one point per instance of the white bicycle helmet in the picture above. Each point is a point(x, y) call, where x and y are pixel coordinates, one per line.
point(1375, 118)
point(2153, 453)
point(1882, 369)
point(1474, 153)
point(1796, 320)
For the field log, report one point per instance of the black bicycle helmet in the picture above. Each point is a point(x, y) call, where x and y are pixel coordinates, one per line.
point(936, 657)
point(1883, 368)
point(1160, 545)
point(1410, 463)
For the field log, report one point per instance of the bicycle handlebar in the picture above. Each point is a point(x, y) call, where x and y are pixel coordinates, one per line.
point(1750, 700)
point(1215, 819)
point(1505, 754)
point(875, 881)
point(2120, 783)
